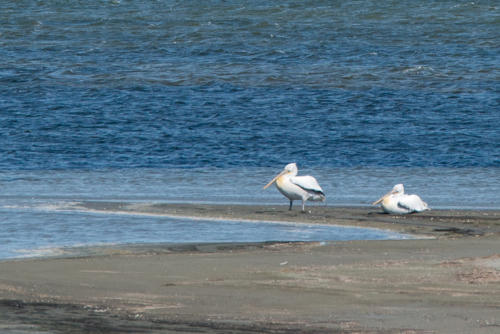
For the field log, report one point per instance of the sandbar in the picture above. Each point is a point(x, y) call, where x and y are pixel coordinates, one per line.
point(446, 280)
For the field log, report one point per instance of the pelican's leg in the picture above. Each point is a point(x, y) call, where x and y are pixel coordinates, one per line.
point(290, 208)
point(303, 206)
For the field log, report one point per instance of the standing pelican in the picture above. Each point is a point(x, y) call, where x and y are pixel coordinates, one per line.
point(294, 187)
point(397, 202)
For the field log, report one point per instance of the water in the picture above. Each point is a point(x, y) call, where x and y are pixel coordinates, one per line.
point(159, 84)
point(184, 101)
point(57, 234)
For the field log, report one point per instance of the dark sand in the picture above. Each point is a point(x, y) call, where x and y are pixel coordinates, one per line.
point(449, 283)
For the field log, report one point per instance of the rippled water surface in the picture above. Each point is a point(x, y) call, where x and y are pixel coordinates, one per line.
point(261, 83)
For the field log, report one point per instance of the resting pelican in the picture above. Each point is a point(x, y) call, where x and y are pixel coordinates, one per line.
point(397, 202)
point(294, 187)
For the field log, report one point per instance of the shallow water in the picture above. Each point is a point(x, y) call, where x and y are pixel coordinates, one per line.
point(441, 188)
point(46, 233)
point(38, 216)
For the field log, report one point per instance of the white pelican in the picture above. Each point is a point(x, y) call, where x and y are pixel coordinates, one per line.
point(294, 187)
point(397, 202)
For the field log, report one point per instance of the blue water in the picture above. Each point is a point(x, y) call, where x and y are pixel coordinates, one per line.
point(159, 84)
point(189, 101)
point(58, 234)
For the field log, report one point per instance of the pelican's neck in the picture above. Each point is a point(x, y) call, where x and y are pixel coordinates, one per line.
point(283, 178)
point(387, 200)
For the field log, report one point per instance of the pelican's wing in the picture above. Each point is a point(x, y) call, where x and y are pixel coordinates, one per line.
point(307, 182)
point(412, 203)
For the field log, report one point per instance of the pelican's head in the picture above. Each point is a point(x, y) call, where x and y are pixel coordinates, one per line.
point(397, 189)
point(289, 169)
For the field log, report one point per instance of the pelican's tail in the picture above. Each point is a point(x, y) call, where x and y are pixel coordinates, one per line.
point(424, 207)
point(317, 196)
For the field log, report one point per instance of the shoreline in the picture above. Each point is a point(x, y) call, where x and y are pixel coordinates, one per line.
point(449, 283)
point(434, 222)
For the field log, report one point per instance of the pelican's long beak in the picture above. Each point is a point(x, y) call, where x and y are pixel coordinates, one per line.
point(275, 178)
point(383, 197)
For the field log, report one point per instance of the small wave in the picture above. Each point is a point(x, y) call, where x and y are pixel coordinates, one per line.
point(59, 206)
point(77, 249)
point(419, 69)
point(47, 251)
point(53, 206)
point(464, 5)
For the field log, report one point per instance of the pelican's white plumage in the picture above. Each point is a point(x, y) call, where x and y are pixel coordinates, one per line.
point(397, 202)
point(294, 187)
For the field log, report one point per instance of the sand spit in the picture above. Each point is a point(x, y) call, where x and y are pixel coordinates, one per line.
point(449, 283)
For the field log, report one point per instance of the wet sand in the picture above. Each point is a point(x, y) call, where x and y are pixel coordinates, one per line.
point(447, 282)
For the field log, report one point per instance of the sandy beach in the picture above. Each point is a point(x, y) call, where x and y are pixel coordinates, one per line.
point(447, 280)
